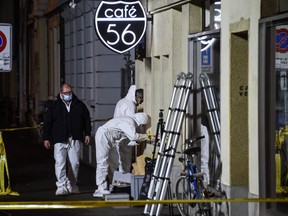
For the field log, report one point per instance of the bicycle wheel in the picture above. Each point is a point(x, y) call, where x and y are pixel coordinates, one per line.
point(205, 208)
point(182, 193)
point(222, 208)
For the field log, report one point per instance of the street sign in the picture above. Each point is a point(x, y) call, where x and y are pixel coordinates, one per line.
point(281, 47)
point(5, 47)
point(120, 25)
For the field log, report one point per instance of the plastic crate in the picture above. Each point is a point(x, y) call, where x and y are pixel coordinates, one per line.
point(136, 184)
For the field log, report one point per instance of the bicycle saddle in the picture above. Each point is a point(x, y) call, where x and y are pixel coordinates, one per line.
point(192, 150)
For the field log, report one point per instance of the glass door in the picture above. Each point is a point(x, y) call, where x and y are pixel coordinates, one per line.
point(273, 111)
point(204, 63)
point(281, 109)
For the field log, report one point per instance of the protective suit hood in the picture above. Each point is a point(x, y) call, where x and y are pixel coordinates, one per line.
point(141, 118)
point(131, 93)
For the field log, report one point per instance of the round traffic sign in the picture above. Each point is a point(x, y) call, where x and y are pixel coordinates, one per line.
point(3, 41)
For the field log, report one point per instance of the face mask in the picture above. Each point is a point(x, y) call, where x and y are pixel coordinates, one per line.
point(67, 97)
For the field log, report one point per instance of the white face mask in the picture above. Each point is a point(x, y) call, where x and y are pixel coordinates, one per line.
point(67, 97)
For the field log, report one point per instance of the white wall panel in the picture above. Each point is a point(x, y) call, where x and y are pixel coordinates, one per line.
point(100, 49)
point(89, 80)
point(88, 35)
point(73, 53)
point(89, 65)
point(88, 50)
point(80, 52)
point(80, 80)
point(108, 63)
point(89, 93)
point(67, 41)
point(108, 80)
point(107, 95)
point(72, 34)
point(67, 68)
point(104, 111)
point(72, 67)
point(80, 66)
point(67, 54)
point(79, 23)
point(89, 19)
point(79, 92)
point(67, 28)
point(70, 79)
point(79, 37)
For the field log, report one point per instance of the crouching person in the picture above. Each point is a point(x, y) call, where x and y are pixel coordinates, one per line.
point(107, 137)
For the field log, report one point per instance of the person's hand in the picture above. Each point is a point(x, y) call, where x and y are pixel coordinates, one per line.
point(87, 140)
point(47, 144)
point(132, 143)
point(142, 137)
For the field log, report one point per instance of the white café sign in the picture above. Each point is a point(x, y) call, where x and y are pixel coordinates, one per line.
point(120, 25)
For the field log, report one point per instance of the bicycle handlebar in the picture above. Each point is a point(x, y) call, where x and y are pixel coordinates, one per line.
point(191, 141)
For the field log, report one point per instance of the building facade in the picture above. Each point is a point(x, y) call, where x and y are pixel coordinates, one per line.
point(240, 45)
point(245, 36)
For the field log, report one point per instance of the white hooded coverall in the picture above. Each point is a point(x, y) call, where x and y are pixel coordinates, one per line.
point(108, 136)
point(205, 153)
point(125, 107)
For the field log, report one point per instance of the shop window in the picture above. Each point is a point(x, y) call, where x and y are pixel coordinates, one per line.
point(273, 111)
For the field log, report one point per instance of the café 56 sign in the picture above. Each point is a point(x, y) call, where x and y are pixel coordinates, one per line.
point(120, 25)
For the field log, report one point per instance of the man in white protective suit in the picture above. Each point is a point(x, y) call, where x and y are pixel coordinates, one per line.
point(205, 153)
point(127, 106)
point(67, 125)
point(107, 137)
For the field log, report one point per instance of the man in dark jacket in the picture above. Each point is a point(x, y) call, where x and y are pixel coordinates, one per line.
point(66, 123)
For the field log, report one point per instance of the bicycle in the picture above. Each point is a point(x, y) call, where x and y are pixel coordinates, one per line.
point(191, 185)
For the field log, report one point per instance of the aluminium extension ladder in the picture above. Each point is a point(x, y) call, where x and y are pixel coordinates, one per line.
point(169, 140)
point(212, 108)
point(214, 122)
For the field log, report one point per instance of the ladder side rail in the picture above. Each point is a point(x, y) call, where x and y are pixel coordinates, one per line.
point(174, 147)
point(214, 120)
point(211, 115)
point(170, 133)
point(214, 103)
point(212, 112)
point(162, 143)
point(214, 106)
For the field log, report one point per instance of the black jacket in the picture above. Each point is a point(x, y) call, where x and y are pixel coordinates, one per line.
point(59, 124)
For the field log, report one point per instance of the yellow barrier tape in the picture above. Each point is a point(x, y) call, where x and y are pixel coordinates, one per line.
point(41, 125)
point(100, 204)
point(20, 128)
point(3, 168)
point(4, 164)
